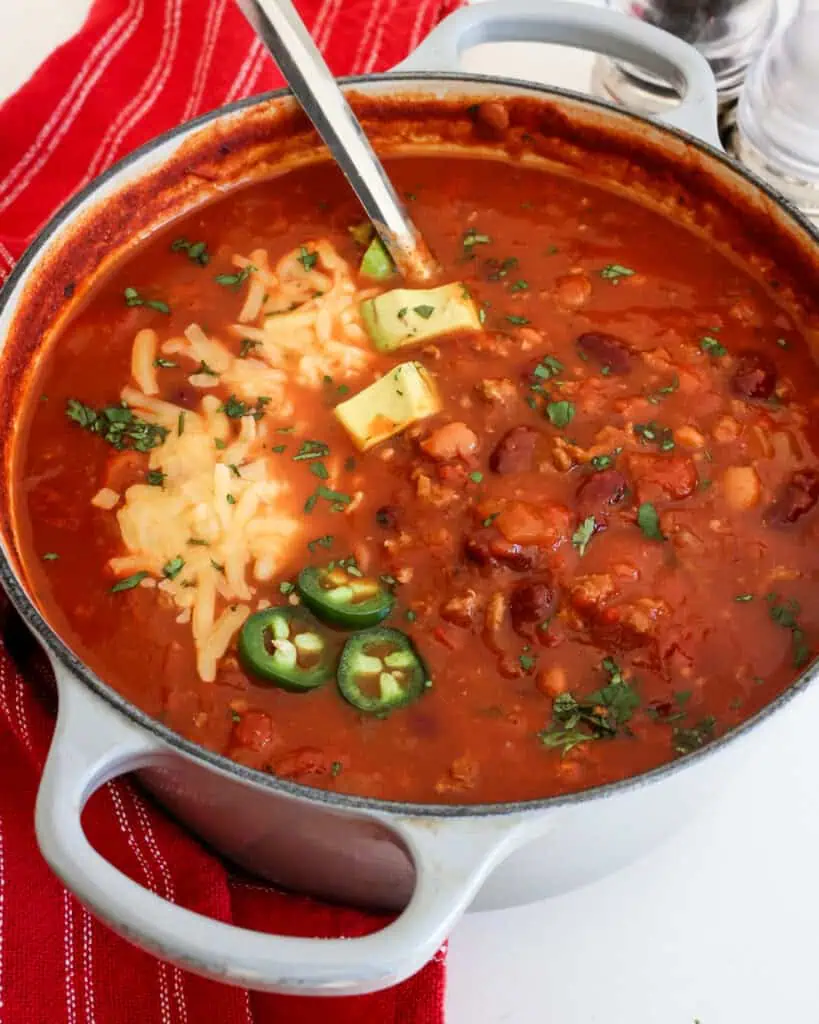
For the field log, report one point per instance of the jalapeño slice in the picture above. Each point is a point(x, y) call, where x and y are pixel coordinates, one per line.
point(286, 647)
point(342, 598)
point(380, 670)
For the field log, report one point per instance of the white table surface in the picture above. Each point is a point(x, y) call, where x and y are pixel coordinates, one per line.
point(717, 926)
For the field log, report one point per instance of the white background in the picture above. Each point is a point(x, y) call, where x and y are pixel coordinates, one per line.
point(720, 925)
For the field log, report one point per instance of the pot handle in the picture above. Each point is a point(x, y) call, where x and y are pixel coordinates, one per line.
point(93, 744)
point(584, 27)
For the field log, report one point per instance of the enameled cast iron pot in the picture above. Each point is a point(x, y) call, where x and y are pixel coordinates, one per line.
point(434, 861)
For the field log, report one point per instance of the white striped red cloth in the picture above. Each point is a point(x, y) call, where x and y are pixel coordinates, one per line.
point(136, 68)
point(139, 67)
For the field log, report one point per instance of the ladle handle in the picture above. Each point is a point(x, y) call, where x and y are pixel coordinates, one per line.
point(280, 28)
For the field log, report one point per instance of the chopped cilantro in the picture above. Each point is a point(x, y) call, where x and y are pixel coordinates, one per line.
point(117, 425)
point(320, 542)
point(491, 518)
point(686, 740)
point(307, 259)
point(247, 347)
point(657, 396)
point(712, 347)
point(476, 477)
point(614, 272)
point(519, 286)
point(649, 521)
point(653, 433)
point(235, 409)
point(410, 615)
point(286, 587)
point(235, 280)
point(197, 251)
point(155, 477)
point(471, 239)
point(599, 715)
point(129, 582)
point(518, 321)
point(311, 450)
point(180, 424)
point(527, 662)
point(785, 613)
point(207, 370)
point(164, 364)
point(336, 769)
point(231, 499)
point(560, 414)
point(234, 469)
point(425, 312)
point(583, 534)
point(133, 298)
point(171, 569)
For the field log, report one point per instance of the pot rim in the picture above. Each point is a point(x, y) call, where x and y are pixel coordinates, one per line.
point(80, 672)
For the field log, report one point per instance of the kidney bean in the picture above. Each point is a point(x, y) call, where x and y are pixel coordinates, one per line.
point(798, 497)
point(387, 517)
point(754, 375)
point(530, 604)
point(597, 492)
point(607, 350)
point(515, 451)
point(488, 549)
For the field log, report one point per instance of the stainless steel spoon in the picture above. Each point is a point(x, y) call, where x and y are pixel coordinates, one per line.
point(278, 25)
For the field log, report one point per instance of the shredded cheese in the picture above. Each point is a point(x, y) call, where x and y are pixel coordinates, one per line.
point(224, 519)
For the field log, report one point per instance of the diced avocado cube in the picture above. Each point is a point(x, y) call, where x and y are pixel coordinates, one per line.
point(377, 262)
point(408, 316)
point(401, 397)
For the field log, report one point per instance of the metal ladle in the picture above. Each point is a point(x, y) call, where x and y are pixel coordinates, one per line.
point(278, 25)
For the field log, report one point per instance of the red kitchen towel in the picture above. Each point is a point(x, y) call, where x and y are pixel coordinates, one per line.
point(137, 68)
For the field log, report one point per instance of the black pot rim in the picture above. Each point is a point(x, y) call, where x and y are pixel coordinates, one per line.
point(49, 638)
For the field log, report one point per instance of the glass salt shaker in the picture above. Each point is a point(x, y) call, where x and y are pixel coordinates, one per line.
point(728, 33)
point(777, 119)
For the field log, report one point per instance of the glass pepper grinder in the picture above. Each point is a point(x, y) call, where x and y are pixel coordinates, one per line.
point(777, 119)
point(728, 33)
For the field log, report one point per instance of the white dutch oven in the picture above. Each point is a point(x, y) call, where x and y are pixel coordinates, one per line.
point(432, 861)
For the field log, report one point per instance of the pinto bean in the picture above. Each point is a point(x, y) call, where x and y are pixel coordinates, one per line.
point(546, 525)
point(573, 290)
point(530, 604)
point(659, 477)
point(461, 609)
point(607, 350)
point(597, 492)
point(452, 441)
point(797, 498)
point(754, 375)
point(515, 451)
point(740, 485)
point(493, 115)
